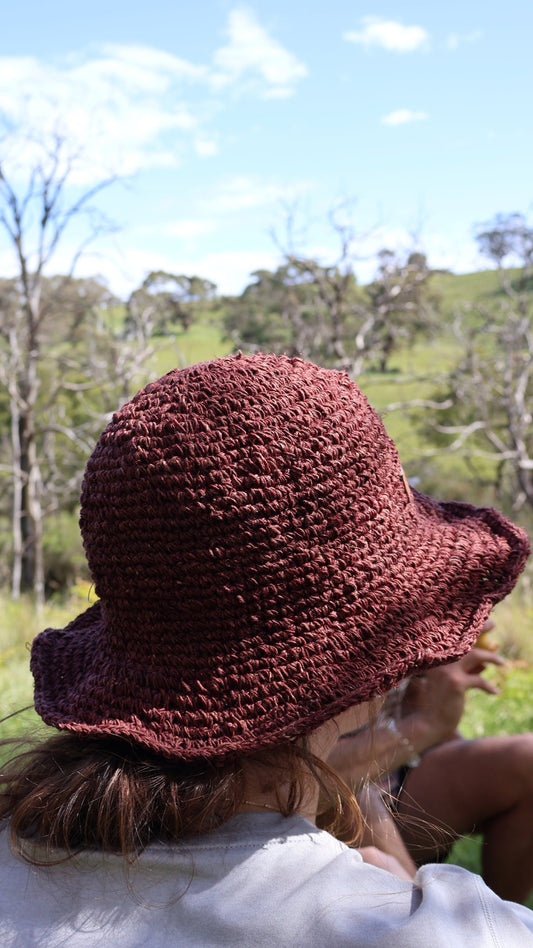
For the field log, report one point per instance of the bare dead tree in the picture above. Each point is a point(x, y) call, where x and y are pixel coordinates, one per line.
point(402, 306)
point(491, 387)
point(36, 212)
point(336, 301)
point(324, 309)
point(491, 391)
point(348, 327)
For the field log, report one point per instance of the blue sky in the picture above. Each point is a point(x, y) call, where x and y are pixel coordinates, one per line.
point(220, 116)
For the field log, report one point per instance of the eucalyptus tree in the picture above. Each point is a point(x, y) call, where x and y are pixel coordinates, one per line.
point(487, 414)
point(57, 355)
point(317, 310)
point(402, 306)
point(166, 300)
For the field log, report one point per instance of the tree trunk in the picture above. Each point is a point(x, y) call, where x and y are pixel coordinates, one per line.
point(16, 513)
point(32, 578)
point(16, 463)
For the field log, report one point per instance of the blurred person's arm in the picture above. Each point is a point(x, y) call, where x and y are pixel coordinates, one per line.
point(429, 712)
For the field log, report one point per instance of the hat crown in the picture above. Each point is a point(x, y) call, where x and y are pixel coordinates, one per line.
point(213, 472)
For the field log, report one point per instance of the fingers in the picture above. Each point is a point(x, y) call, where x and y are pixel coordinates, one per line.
point(480, 656)
point(472, 666)
point(477, 681)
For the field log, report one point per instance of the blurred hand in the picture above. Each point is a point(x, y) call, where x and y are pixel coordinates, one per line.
point(425, 711)
point(437, 699)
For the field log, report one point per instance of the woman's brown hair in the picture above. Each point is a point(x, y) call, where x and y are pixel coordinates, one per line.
point(70, 793)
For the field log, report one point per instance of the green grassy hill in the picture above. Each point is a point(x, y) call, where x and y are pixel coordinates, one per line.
point(205, 338)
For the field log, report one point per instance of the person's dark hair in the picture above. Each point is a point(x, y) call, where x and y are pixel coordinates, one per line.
point(70, 793)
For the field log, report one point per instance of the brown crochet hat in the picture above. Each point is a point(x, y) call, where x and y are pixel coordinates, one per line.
point(261, 565)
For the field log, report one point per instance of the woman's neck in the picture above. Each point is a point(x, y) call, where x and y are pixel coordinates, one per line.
point(266, 784)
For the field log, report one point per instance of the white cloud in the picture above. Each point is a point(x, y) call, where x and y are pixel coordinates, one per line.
point(388, 34)
point(246, 192)
point(133, 107)
point(403, 117)
point(252, 50)
point(456, 252)
point(188, 228)
point(455, 40)
point(230, 270)
point(206, 147)
point(149, 61)
point(14, 69)
point(278, 92)
point(121, 116)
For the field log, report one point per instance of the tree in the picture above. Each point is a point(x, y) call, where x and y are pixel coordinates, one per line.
point(488, 398)
point(49, 335)
point(166, 299)
point(317, 310)
point(489, 401)
point(402, 306)
point(508, 235)
point(280, 311)
point(327, 321)
point(304, 307)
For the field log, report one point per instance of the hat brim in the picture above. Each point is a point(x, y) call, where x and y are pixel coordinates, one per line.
point(462, 560)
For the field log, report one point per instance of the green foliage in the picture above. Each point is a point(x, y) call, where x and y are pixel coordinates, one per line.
point(57, 383)
point(165, 300)
point(417, 369)
point(318, 311)
point(508, 712)
point(489, 397)
point(65, 562)
point(302, 308)
point(271, 312)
